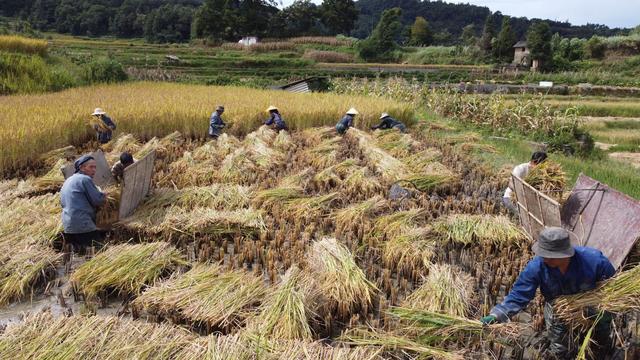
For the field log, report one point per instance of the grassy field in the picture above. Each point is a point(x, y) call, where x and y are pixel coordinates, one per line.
point(596, 106)
point(31, 125)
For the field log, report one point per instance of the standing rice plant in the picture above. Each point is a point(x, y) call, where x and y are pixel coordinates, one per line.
point(338, 278)
point(20, 44)
point(487, 229)
point(286, 312)
point(126, 268)
point(445, 290)
point(206, 294)
point(52, 157)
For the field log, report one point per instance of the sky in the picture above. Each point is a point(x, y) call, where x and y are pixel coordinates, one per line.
point(614, 13)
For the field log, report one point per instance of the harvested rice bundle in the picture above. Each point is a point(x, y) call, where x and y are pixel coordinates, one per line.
point(362, 181)
point(237, 167)
point(549, 178)
point(161, 146)
point(108, 213)
point(304, 350)
point(324, 154)
point(261, 153)
point(23, 268)
point(410, 250)
point(212, 222)
point(396, 223)
point(286, 313)
point(52, 157)
point(430, 176)
point(420, 160)
point(52, 180)
point(300, 179)
point(314, 136)
point(270, 198)
point(488, 229)
point(390, 341)
point(126, 268)
point(396, 143)
point(283, 141)
point(446, 289)
point(124, 143)
point(617, 295)
point(359, 212)
point(42, 336)
point(30, 221)
point(227, 347)
point(338, 278)
point(206, 294)
point(335, 173)
point(264, 133)
point(390, 168)
point(216, 196)
point(310, 207)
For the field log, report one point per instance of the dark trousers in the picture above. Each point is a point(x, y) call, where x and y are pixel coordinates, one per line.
point(82, 241)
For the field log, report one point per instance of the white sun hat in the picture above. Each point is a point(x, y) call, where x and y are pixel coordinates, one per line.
point(384, 115)
point(270, 108)
point(98, 111)
point(352, 111)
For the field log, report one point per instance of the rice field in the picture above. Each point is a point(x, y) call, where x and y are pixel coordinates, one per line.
point(265, 245)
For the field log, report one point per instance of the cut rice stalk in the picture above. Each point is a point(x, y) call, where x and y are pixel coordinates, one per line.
point(487, 229)
point(23, 268)
point(549, 178)
point(396, 223)
point(52, 180)
point(310, 207)
point(410, 250)
point(359, 212)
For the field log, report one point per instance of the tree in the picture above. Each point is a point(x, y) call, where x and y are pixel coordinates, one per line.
point(214, 20)
point(539, 43)
point(488, 33)
point(595, 48)
point(503, 47)
point(421, 33)
point(168, 23)
point(301, 18)
point(339, 16)
point(468, 37)
point(380, 45)
point(126, 22)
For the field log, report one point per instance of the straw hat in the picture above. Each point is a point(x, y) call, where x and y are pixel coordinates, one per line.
point(98, 111)
point(271, 108)
point(352, 111)
point(384, 115)
point(219, 108)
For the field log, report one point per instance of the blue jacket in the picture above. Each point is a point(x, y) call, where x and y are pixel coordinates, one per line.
point(104, 136)
point(587, 267)
point(215, 123)
point(79, 198)
point(346, 121)
point(277, 120)
point(388, 123)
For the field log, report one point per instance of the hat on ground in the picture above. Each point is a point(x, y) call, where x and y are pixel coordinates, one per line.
point(98, 111)
point(384, 115)
point(554, 243)
point(352, 111)
point(81, 160)
point(271, 108)
point(219, 108)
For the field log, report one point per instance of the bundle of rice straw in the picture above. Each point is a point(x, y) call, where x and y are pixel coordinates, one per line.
point(617, 295)
point(549, 178)
point(446, 289)
point(42, 336)
point(238, 167)
point(300, 179)
point(310, 207)
point(283, 141)
point(334, 174)
point(30, 221)
point(21, 269)
point(270, 198)
point(304, 350)
point(212, 222)
point(324, 154)
point(396, 143)
point(124, 143)
point(261, 152)
point(396, 223)
point(338, 278)
point(109, 212)
point(486, 229)
point(359, 212)
point(422, 159)
point(162, 146)
point(314, 136)
point(206, 294)
point(126, 268)
point(286, 313)
point(53, 179)
point(409, 250)
point(390, 168)
point(54, 156)
point(361, 181)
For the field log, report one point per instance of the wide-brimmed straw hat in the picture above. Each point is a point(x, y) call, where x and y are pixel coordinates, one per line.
point(554, 243)
point(219, 108)
point(98, 111)
point(352, 111)
point(384, 115)
point(271, 108)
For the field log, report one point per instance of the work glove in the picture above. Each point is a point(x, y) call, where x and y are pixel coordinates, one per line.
point(489, 319)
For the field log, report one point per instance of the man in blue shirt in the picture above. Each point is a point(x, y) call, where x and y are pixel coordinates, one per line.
point(387, 122)
point(346, 122)
point(275, 119)
point(558, 269)
point(215, 122)
point(80, 198)
point(105, 126)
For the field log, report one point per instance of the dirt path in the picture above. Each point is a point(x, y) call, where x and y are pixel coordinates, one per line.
point(628, 157)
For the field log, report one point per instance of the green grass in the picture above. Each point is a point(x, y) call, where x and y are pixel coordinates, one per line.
point(624, 133)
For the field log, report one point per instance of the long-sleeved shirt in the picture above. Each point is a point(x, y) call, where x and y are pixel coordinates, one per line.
point(388, 123)
point(346, 121)
point(117, 170)
point(215, 124)
point(79, 198)
point(104, 133)
point(277, 120)
point(587, 267)
point(520, 171)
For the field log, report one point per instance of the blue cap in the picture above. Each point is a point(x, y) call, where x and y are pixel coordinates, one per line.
point(81, 160)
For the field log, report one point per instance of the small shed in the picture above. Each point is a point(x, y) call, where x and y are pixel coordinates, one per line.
point(248, 40)
point(521, 55)
point(313, 83)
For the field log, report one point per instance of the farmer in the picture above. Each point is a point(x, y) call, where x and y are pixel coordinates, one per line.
point(105, 126)
point(117, 170)
point(275, 119)
point(215, 122)
point(79, 198)
point(521, 171)
point(347, 121)
point(389, 123)
point(557, 269)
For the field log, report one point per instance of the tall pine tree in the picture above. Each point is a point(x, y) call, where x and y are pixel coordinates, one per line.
point(539, 43)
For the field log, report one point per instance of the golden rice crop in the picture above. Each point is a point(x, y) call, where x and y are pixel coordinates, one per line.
point(206, 294)
point(359, 212)
point(549, 178)
point(156, 109)
point(261, 46)
point(321, 40)
point(30, 221)
point(409, 250)
point(126, 268)
point(22, 268)
point(14, 43)
point(396, 223)
point(467, 229)
point(328, 56)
